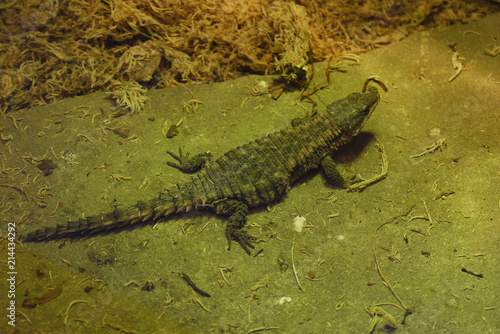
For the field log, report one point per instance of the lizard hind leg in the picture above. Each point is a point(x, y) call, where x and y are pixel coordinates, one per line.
point(237, 212)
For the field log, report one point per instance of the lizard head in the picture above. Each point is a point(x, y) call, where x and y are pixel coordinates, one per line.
point(352, 112)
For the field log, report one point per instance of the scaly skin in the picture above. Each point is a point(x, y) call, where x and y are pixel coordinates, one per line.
point(248, 176)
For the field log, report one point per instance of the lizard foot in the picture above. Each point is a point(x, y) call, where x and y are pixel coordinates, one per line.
point(241, 237)
point(189, 165)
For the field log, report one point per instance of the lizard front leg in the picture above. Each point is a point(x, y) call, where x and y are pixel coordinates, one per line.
point(336, 178)
point(332, 175)
point(189, 165)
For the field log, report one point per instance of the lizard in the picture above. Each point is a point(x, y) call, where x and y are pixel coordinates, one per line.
point(252, 175)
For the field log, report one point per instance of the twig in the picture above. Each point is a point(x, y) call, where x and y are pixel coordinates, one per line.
point(224, 277)
point(74, 302)
point(388, 285)
point(396, 217)
point(25, 317)
point(495, 50)
point(11, 186)
point(456, 61)
point(293, 268)
point(385, 166)
point(430, 149)
point(120, 329)
point(427, 210)
point(201, 305)
point(262, 329)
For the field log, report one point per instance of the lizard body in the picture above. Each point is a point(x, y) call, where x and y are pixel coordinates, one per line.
point(248, 176)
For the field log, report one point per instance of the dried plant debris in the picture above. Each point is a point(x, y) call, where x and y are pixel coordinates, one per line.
point(47, 297)
point(140, 62)
point(46, 166)
point(130, 95)
point(292, 42)
point(50, 50)
point(437, 144)
point(457, 63)
point(494, 51)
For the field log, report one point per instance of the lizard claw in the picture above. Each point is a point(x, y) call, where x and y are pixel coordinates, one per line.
point(242, 238)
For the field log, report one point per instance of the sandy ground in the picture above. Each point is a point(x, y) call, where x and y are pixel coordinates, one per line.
point(432, 226)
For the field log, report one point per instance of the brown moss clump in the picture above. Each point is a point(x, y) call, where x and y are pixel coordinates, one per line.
point(50, 50)
point(129, 95)
point(292, 41)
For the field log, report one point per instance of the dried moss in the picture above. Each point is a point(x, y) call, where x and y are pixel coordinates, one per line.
point(50, 50)
point(129, 95)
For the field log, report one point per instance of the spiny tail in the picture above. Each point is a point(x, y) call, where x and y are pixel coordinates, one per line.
point(166, 204)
